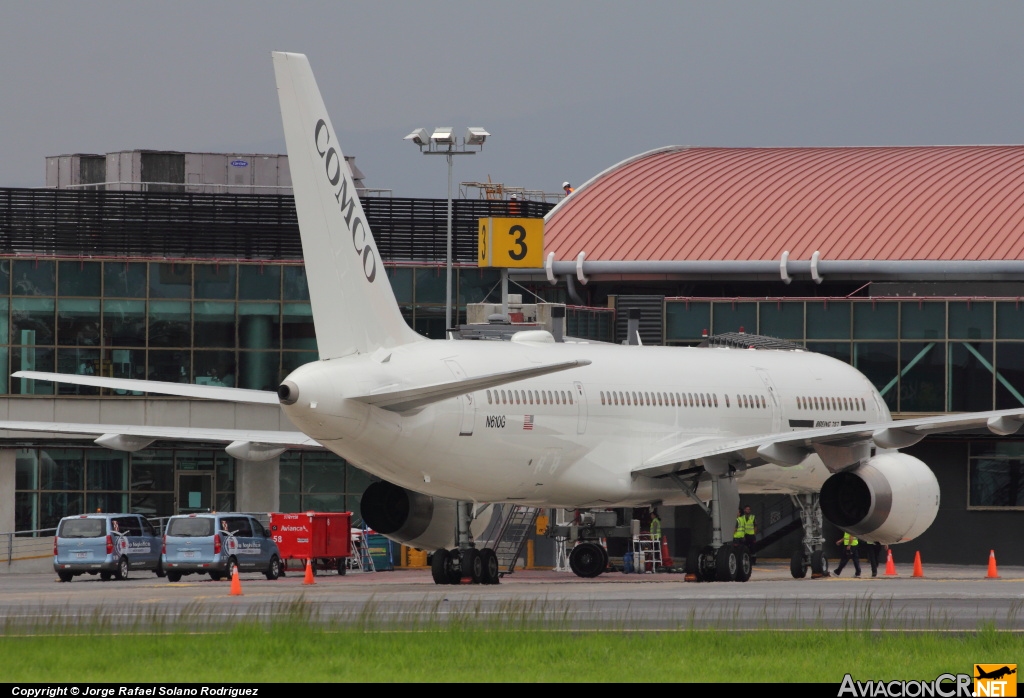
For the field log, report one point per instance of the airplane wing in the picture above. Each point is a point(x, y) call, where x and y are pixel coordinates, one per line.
point(411, 398)
point(248, 444)
point(206, 392)
point(838, 446)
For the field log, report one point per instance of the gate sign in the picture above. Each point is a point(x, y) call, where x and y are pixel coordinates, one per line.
point(510, 242)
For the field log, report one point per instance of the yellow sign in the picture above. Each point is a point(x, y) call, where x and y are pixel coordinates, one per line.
point(510, 242)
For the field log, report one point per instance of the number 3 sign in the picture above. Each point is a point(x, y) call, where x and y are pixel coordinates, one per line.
point(510, 242)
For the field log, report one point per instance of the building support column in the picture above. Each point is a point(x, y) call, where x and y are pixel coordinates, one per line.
point(8, 461)
point(258, 485)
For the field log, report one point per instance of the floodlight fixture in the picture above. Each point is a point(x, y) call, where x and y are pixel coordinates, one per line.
point(476, 135)
point(444, 142)
point(419, 137)
point(443, 135)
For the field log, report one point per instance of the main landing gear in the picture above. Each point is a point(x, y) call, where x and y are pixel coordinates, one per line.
point(464, 562)
point(721, 561)
point(452, 566)
point(810, 554)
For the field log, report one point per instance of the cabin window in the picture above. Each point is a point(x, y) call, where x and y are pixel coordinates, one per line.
point(488, 397)
point(715, 398)
point(726, 396)
point(570, 397)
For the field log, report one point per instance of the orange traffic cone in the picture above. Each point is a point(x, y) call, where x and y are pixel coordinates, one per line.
point(236, 583)
point(666, 559)
point(992, 572)
point(890, 566)
point(918, 572)
point(309, 573)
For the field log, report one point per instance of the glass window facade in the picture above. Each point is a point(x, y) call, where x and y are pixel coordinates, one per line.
point(996, 475)
point(320, 481)
point(51, 483)
point(922, 354)
point(218, 324)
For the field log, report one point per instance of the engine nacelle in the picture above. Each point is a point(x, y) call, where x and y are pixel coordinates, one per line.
point(414, 519)
point(892, 498)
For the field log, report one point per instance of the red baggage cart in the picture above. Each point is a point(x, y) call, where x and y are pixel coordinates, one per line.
point(323, 537)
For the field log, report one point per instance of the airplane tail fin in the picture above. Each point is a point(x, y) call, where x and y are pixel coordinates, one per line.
point(354, 307)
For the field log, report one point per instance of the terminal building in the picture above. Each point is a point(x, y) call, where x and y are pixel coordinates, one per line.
point(905, 262)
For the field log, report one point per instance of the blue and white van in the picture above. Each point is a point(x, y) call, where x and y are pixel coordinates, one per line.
point(214, 543)
point(106, 544)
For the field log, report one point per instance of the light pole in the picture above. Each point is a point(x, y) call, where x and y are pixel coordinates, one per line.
point(443, 142)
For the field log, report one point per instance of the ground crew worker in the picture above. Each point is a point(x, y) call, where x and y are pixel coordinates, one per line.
point(655, 526)
point(738, 534)
point(568, 189)
point(848, 551)
point(749, 532)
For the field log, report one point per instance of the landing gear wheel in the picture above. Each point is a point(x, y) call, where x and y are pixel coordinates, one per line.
point(174, 577)
point(65, 576)
point(587, 560)
point(726, 564)
point(798, 565)
point(489, 563)
point(744, 566)
point(819, 564)
point(473, 565)
point(706, 564)
point(274, 569)
point(439, 565)
point(122, 568)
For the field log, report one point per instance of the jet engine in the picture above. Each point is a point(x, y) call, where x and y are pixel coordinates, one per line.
point(413, 519)
point(891, 498)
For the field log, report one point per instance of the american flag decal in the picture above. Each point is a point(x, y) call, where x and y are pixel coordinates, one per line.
point(528, 422)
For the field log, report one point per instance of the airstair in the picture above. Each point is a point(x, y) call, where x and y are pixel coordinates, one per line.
point(510, 537)
point(363, 560)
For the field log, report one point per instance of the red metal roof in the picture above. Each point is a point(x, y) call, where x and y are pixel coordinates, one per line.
point(907, 203)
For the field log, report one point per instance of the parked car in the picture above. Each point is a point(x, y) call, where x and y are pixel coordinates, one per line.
point(105, 544)
point(215, 543)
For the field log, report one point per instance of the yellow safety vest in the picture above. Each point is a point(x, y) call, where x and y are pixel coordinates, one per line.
point(656, 529)
point(740, 527)
point(748, 524)
point(849, 540)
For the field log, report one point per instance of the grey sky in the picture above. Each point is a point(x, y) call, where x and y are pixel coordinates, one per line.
point(566, 88)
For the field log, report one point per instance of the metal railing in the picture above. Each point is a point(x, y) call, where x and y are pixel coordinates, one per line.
point(27, 545)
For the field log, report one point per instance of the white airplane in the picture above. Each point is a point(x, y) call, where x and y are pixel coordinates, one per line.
point(551, 424)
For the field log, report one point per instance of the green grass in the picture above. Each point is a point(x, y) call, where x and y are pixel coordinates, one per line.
point(295, 642)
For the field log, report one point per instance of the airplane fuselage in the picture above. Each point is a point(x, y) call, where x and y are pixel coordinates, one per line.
point(573, 438)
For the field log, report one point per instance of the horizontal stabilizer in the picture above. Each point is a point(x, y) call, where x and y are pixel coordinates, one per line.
point(413, 398)
point(204, 392)
point(130, 433)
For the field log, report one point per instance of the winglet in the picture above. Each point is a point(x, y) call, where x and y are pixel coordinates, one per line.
point(354, 307)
